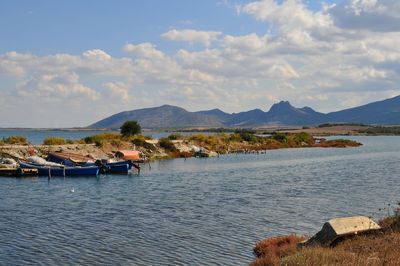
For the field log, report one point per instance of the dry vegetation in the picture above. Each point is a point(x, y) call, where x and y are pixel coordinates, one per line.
point(247, 141)
point(176, 145)
point(381, 248)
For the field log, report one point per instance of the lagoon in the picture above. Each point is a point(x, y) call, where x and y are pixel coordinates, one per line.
point(195, 211)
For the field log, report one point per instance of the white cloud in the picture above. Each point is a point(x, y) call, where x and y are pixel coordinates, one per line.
point(55, 85)
point(251, 42)
point(192, 36)
point(371, 15)
point(145, 50)
point(97, 54)
point(287, 16)
point(118, 90)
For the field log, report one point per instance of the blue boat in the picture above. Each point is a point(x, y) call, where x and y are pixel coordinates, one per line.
point(62, 170)
point(73, 160)
point(121, 167)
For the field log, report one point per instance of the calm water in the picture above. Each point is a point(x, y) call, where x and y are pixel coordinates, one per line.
point(194, 212)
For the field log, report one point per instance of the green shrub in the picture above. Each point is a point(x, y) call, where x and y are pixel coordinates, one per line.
point(130, 128)
point(15, 140)
point(280, 137)
point(303, 137)
point(167, 144)
point(100, 139)
point(139, 140)
point(175, 136)
point(247, 136)
point(54, 141)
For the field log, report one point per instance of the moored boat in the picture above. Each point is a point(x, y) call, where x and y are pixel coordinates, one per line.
point(62, 170)
point(106, 166)
point(18, 172)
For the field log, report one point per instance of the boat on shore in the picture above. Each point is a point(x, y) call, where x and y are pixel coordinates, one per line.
point(62, 170)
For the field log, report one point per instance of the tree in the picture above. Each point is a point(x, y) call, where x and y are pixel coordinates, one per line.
point(130, 128)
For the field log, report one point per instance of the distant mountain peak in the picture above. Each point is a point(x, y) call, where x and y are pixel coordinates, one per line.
point(308, 110)
point(283, 113)
point(282, 106)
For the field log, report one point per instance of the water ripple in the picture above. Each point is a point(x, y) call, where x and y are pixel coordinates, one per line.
point(193, 212)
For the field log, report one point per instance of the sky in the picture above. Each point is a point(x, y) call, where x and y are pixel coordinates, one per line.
point(71, 63)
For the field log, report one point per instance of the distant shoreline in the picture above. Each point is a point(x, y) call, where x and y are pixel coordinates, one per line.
point(56, 129)
point(319, 131)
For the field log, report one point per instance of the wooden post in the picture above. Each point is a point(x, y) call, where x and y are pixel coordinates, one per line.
point(49, 173)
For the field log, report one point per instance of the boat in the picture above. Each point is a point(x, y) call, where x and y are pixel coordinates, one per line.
point(69, 158)
point(106, 166)
point(18, 172)
point(119, 167)
point(43, 170)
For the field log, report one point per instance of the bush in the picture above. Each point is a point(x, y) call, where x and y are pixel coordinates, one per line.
point(248, 136)
point(280, 137)
point(175, 136)
point(130, 128)
point(303, 137)
point(167, 144)
point(15, 140)
point(54, 141)
point(138, 140)
point(100, 139)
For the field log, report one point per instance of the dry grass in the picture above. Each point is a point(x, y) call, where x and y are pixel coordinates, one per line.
point(338, 143)
point(15, 140)
point(54, 141)
point(363, 250)
point(375, 249)
point(270, 250)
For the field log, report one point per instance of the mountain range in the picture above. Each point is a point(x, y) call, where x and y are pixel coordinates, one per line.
point(282, 113)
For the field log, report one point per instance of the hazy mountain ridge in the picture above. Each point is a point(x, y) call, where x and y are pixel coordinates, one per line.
point(282, 113)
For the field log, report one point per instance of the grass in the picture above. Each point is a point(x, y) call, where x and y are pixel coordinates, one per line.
point(167, 144)
point(270, 250)
point(101, 139)
point(54, 141)
point(381, 248)
point(20, 140)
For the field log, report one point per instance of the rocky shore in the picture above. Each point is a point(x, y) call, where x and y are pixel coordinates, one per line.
point(104, 146)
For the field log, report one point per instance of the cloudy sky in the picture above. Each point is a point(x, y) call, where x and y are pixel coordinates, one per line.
point(71, 63)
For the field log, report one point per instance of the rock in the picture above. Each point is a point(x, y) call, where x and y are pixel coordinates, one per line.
point(339, 228)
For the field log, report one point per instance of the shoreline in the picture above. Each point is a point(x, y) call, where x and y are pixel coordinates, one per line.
point(105, 145)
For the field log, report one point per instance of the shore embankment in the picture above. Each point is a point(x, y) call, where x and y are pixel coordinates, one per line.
point(103, 146)
point(379, 248)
